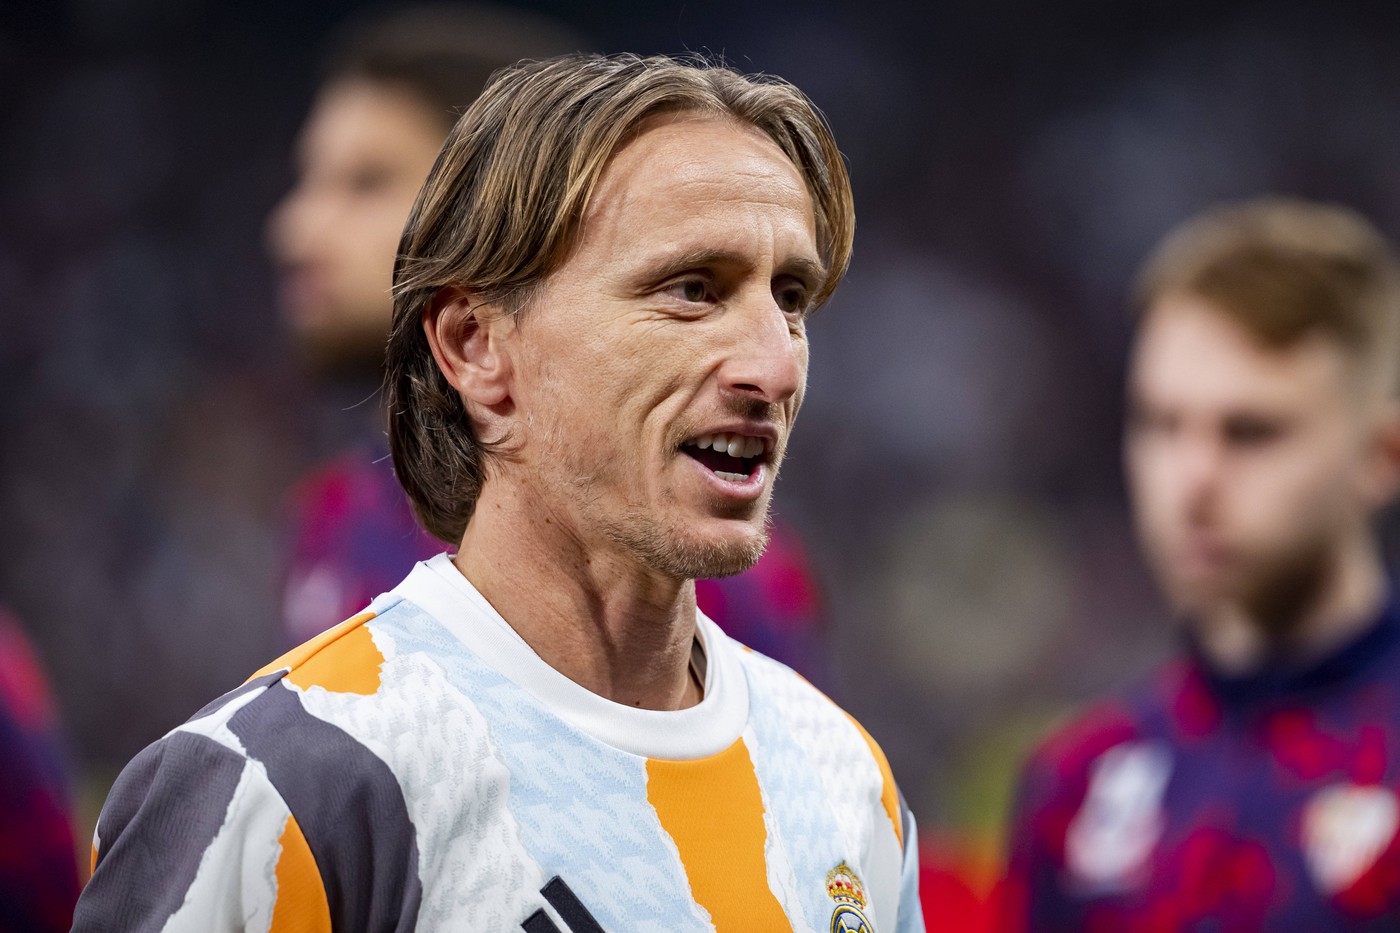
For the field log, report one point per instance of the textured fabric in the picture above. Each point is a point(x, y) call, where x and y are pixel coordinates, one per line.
point(1200, 802)
point(440, 776)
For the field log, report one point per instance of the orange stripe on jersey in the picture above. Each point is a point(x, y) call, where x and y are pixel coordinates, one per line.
point(889, 794)
point(713, 811)
point(301, 897)
point(342, 659)
point(92, 865)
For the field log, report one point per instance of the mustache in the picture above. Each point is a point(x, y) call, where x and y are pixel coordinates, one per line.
point(745, 409)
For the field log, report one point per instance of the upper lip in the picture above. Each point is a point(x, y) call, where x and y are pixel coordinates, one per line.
point(766, 430)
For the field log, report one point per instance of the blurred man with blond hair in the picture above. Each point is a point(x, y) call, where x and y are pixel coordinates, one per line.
point(1251, 783)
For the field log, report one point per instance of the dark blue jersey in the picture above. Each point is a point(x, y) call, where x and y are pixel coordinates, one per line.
point(1205, 802)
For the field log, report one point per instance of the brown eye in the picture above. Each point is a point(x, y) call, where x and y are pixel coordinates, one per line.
point(693, 290)
point(792, 300)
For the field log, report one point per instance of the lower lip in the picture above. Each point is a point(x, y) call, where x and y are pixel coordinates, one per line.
point(750, 488)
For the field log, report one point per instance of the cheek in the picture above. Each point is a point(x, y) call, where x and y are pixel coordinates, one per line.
point(1150, 476)
point(1304, 493)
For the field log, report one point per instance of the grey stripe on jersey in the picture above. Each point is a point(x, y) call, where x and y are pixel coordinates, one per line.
point(219, 703)
point(349, 807)
point(163, 812)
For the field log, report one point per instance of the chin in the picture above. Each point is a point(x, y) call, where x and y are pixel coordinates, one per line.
point(686, 554)
point(1195, 601)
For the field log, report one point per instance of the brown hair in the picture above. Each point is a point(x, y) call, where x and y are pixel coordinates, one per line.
point(501, 209)
point(441, 53)
point(1285, 268)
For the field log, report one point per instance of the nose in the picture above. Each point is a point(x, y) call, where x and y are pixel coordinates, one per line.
point(1198, 467)
point(295, 223)
point(769, 358)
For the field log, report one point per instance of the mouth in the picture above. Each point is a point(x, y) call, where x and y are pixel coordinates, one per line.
point(732, 457)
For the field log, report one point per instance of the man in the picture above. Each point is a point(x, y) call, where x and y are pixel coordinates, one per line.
point(1251, 783)
point(599, 348)
point(393, 87)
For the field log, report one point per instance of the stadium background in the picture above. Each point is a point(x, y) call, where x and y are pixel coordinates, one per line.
point(955, 473)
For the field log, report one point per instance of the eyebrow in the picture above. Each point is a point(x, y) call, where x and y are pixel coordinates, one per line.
point(810, 270)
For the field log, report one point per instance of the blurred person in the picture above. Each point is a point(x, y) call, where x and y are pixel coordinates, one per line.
point(393, 84)
point(1250, 783)
point(38, 859)
point(393, 87)
point(598, 351)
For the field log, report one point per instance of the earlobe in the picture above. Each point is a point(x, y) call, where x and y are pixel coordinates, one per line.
point(466, 343)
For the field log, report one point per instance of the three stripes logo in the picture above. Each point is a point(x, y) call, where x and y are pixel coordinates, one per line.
point(570, 909)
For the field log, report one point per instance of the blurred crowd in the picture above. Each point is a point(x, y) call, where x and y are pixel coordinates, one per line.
point(955, 479)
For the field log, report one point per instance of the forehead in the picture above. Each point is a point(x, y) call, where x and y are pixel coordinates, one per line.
point(685, 172)
point(357, 117)
point(1189, 354)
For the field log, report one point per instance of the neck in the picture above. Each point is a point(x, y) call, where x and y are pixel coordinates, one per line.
point(607, 623)
point(1238, 637)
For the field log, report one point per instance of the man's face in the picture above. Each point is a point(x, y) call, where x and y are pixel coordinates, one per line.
point(677, 319)
point(1243, 460)
point(363, 155)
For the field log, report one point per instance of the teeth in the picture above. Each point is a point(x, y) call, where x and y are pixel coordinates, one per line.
point(736, 445)
point(731, 477)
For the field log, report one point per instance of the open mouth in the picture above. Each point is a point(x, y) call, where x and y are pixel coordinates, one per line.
point(731, 457)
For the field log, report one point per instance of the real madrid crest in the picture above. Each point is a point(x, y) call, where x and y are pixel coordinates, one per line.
point(845, 888)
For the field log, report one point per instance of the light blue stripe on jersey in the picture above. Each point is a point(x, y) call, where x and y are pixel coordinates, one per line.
point(797, 803)
point(581, 805)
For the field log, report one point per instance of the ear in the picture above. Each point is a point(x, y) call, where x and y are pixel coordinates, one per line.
point(1380, 473)
point(467, 338)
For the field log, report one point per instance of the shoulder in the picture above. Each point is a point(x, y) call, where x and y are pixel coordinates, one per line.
point(344, 658)
point(1069, 748)
point(1057, 773)
point(263, 721)
point(264, 769)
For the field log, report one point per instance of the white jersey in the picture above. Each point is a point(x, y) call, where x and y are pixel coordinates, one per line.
point(419, 767)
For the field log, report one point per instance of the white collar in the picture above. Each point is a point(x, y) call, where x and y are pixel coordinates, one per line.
point(708, 728)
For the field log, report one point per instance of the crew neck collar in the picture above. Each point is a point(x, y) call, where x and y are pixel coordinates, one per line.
point(1282, 678)
point(709, 727)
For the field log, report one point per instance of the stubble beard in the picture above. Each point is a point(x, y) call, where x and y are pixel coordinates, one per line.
point(667, 547)
point(673, 549)
point(1276, 592)
point(672, 552)
point(1285, 590)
